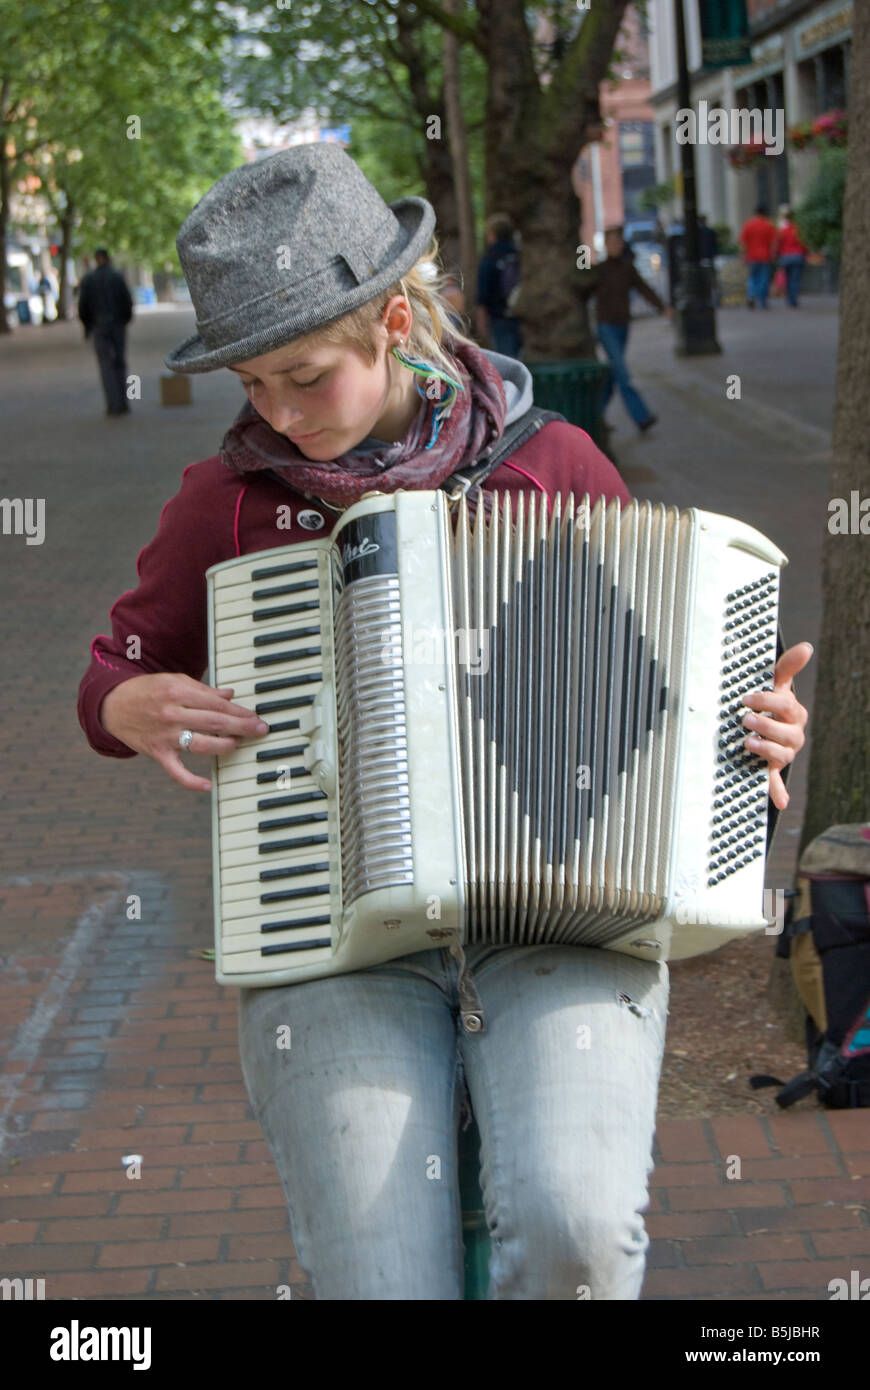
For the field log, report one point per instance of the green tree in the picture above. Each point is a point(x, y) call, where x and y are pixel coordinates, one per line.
point(544, 66)
point(539, 96)
point(379, 67)
point(121, 122)
point(820, 214)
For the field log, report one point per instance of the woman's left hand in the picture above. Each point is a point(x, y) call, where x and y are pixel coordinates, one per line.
point(779, 737)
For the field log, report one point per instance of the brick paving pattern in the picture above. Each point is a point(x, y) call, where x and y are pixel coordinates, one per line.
point(114, 1037)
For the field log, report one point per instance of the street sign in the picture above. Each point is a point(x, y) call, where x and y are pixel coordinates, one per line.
point(725, 41)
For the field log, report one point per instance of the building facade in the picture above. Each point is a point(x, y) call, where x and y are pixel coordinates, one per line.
point(800, 53)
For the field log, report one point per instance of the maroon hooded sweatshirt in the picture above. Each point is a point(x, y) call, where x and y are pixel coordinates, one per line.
point(219, 513)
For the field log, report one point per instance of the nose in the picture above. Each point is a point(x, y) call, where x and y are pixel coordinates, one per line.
point(282, 416)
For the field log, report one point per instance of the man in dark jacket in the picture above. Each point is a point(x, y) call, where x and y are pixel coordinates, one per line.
point(611, 282)
point(105, 309)
point(498, 277)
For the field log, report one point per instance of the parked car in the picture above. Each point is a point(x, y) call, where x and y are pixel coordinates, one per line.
point(642, 230)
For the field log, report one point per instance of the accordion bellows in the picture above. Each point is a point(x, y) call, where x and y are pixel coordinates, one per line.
point(518, 727)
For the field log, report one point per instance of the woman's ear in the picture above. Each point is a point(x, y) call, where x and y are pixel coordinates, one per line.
point(397, 319)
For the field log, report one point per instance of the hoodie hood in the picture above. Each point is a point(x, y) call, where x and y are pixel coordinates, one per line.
point(517, 382)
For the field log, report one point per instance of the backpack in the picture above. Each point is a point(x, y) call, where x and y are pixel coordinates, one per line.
point(826, 937)
point(508, 279)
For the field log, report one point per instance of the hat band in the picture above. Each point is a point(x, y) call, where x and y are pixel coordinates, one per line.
point(275, 308)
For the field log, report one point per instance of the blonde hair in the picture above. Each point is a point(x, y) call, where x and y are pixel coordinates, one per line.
point(423, 287)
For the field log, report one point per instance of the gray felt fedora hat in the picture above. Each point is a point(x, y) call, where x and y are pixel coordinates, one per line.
point(281, 247)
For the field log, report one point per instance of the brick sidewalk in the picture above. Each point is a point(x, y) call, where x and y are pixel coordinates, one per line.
point(796, 1217)
point(121, 1044)
point(134, 1053)
point(116, 1039)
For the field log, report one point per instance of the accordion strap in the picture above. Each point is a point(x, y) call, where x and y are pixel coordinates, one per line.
point(513, 438)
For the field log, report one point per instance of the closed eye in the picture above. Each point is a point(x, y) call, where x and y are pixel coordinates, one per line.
point(303, 385)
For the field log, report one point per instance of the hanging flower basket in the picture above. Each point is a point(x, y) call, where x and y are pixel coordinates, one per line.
point(749, 155)
point(801, 135)
point(831, 128)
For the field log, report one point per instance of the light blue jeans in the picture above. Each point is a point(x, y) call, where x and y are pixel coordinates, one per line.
point(793, 265)
point(361, 1114)
point(758, 282)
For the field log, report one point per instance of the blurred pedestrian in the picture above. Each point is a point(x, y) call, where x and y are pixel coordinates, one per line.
point(610, 282)
point(708, 250)
point(758, 238)
point(105, 309)
point(790, 253)
point(708, 242)
point(48, 289)
point(498, 280)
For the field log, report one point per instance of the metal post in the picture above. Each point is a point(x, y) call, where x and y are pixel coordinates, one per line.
point(694, 314)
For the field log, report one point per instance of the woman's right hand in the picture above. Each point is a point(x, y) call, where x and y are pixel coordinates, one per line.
point(149, 712)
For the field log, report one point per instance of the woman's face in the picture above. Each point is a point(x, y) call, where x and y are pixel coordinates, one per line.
point(327, 397)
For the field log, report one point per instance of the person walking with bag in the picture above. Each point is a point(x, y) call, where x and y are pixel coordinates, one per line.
point(105, 309)
point(337, 354)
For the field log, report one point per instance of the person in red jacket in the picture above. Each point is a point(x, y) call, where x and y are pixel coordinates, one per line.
point(310, 290)
point(790, 253)
point(758, 239)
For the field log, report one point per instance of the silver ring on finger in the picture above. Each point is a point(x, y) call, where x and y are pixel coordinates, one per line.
point(185, 739)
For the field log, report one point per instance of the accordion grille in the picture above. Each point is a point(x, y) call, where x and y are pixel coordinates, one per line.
point(372, 736)
point(569, 733)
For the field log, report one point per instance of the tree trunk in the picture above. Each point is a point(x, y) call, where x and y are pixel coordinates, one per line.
point(839, 768)
point(533, 136)
point(441, 191)
point(459, 158)
point(67, 222)
point(437, 167)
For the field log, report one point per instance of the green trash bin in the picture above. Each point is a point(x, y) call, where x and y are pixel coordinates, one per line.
point(475, 1234)
point(575, 388)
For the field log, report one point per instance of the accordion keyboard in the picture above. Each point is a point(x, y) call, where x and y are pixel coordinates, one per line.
point(275, 814)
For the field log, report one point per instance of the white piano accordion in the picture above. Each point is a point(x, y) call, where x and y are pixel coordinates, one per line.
point(514, 728)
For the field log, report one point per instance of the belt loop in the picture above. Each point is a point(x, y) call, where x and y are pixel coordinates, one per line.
point(470, 1007)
